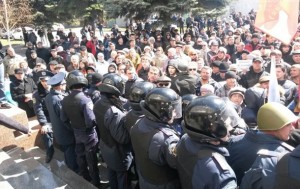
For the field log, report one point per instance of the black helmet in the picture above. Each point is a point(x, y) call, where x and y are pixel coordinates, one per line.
point(89, 77)
point(75, 77)
point(94, 78)
point(161, 103)
point(205, 118)
point(113, 84)
point(139, 90)
point(186, 99)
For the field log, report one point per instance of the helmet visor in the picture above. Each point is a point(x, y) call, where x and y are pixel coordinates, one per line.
point(177, 108)
point(229, 117)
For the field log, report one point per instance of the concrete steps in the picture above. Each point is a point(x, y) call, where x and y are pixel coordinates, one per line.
point(27, 170)
point(10, 138)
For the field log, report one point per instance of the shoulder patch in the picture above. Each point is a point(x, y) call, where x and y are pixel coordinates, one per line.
point(269, 153)
point(287, 146)
point(220, 160)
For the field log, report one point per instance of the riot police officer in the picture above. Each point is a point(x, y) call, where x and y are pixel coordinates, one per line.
point(41, 112)
point(78, 110)
point(154, 141)
point(114, 137)
point(94, 80)
point(200, 152)
point(62, 133)
point(137, 93)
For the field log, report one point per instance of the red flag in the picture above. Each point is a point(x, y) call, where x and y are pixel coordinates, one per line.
point(278, 18)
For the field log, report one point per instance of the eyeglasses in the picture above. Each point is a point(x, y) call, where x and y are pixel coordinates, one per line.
point(193, 54)
point(192, 69)
point(163, 84)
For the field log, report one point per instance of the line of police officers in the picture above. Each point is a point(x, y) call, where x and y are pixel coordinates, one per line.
point(144, 136)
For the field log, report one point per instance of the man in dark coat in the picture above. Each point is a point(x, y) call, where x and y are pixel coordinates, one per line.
point(22, 89)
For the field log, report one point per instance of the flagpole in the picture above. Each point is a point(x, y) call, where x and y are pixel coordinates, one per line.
point(273, 95)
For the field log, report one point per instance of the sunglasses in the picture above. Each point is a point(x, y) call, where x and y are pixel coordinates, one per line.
point(163, 84)
point(192, 69)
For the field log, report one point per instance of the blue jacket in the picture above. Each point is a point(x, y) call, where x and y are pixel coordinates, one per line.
point(243, 150)
point(63, 135)
point(203, 165)
point(39, 105)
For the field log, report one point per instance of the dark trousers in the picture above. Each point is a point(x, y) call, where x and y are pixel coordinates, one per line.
point(118, 180)
point(48, 143)
point(70, 156)
point(86, 151)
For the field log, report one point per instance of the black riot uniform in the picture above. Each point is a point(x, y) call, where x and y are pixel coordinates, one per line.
point(114, 137)
point(94, 80)
point(137, 93)
point(154, 140)
point(78, 109)
point(201, 161)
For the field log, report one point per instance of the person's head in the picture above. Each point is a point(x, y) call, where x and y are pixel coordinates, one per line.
point(44, 76)
point(280, 72)
point(276, 119)
point(19, 74)
point(76, 80)
point(159, 51)
point(153, 74)
point(90, 69)
point(121, 69)
point(57, 82)
point(52, 65)
point(295, 71)
point(205, 73)
point(230, 40)
point(138, 92)
point(163, 82)
point(255, 38)
point(145, 61)
point(112, 46)
point(296, 56)
point(240, 46)
point(130, 72)
point(193, 68)
point(231, 79)
point(23, 64)
point(237, 95)
point(11, 52)
point(221, 53)
point(214, 45)
point(100, 57)
point(75, 60)
point(215, 66)
point(40, 44)
point(53, 52)
point(171, 53)
point(206, 119)
point(285, 48)
point(264, 81)
point(33, 54)
point(207, 89)
point(112, 84)
point(112, 68)
point(257, 64)
point(162, 105)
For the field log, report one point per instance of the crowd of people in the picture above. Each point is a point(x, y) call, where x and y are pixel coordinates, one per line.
point(175, 108)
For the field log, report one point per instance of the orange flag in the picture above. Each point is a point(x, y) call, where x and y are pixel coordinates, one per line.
point(278, 18)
